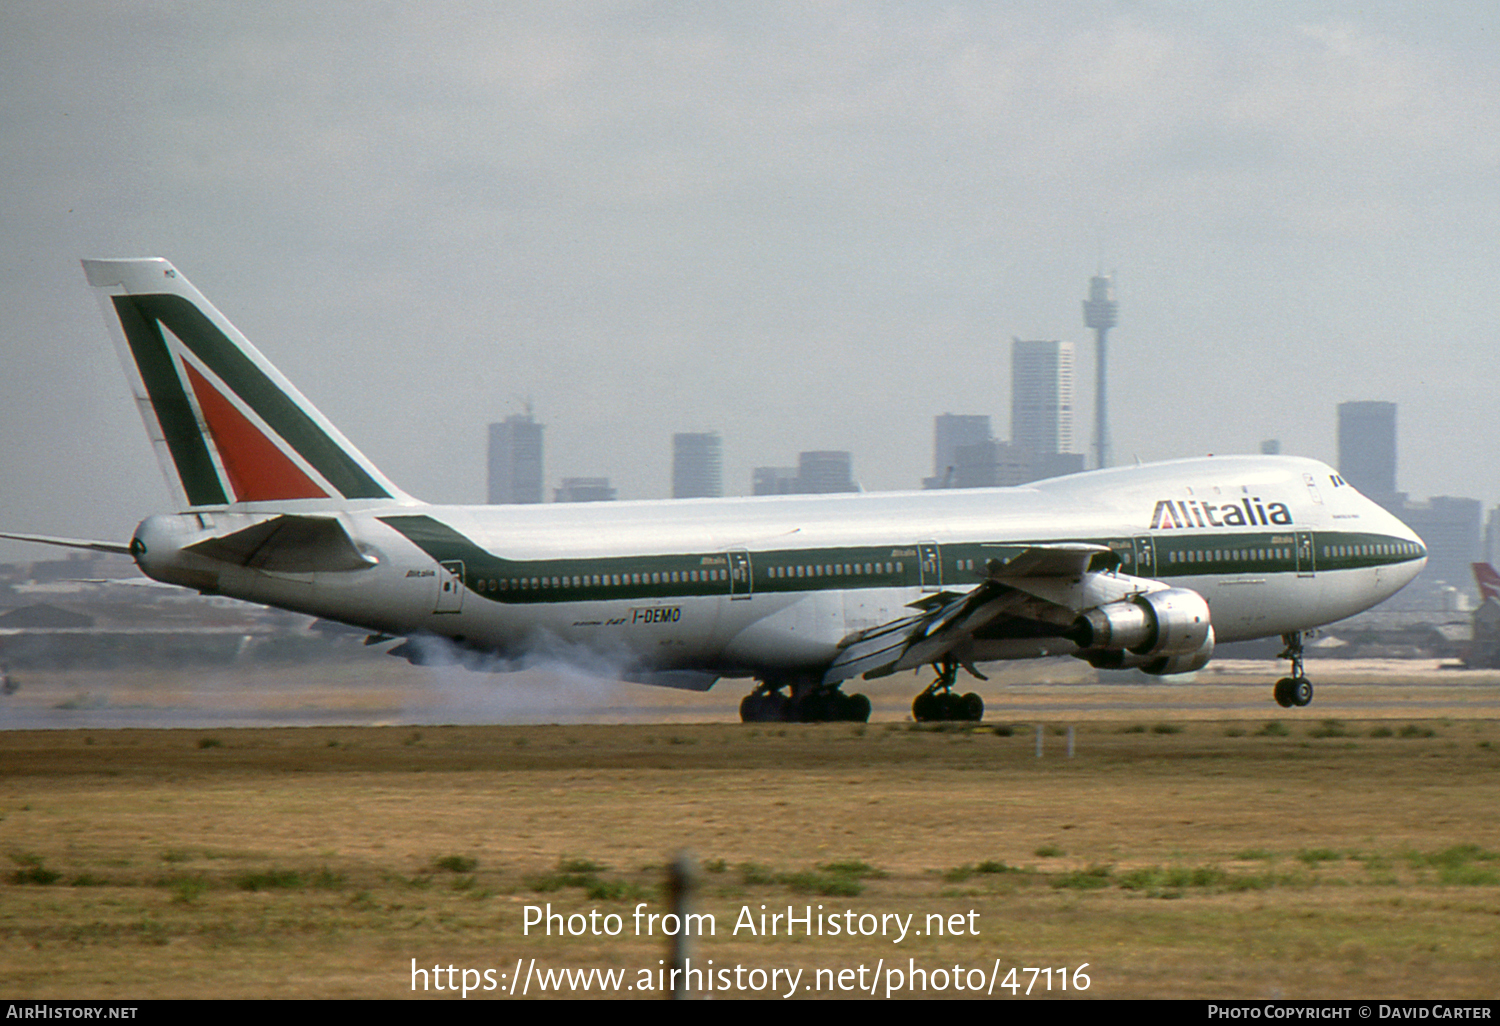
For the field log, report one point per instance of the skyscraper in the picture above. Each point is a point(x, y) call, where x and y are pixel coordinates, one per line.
point(697, 466)
point(1041, 405)
point(1367, 449)
point(515, 460)
point(817, 473)
point(825, 471)
point(951, 433)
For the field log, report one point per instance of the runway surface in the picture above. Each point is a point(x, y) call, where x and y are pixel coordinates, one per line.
point(383, 692)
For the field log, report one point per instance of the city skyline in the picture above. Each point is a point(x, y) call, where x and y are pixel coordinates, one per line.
point(804, 227)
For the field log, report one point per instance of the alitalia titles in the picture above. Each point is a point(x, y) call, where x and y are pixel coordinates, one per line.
point(1170, 513)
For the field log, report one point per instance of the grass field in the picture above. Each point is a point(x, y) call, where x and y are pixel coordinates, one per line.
point(1281, 856)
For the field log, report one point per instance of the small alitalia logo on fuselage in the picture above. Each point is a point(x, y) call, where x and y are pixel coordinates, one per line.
point(1171, 513)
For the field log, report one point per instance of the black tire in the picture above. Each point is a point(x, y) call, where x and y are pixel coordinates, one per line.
point(925, 707)
point(973, 707)
point(1283, 693)
point(856, 708)
point(813, 707)
point(1302, 692)
point(767, 707)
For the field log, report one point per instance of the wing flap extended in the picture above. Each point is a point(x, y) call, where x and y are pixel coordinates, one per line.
point(288, 544)
point(913, 641)
point(1071, 576)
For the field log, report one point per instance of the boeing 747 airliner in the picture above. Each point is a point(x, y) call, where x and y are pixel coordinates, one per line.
point(1145, 566)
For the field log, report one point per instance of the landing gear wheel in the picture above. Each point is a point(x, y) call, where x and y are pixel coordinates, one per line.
point(1295, 690)
point(824, 705)
point(817, 707)
point(761, 706)
point(857, 708)
point(939, 702)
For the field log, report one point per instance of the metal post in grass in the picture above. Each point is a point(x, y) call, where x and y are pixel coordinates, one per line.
point(682, 882)
point(1070, 740)
point(1038, 740)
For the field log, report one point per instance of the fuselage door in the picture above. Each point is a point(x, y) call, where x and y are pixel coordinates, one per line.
point(739, 574)
point(931, 562)
point(1145, 557)
point(1306, 566)
point(450, 596)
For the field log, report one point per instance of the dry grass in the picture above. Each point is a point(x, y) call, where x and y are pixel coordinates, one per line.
point(1222, 860)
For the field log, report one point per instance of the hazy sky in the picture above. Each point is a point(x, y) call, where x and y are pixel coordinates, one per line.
point(804, 225)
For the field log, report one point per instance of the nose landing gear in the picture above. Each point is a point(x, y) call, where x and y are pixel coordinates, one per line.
point(1295, 690)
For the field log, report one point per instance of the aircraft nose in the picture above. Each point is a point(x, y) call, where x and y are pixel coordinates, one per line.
point(1405, 572)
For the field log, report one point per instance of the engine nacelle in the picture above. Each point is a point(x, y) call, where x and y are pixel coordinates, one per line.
point(1172, 627)
point(1185, 662)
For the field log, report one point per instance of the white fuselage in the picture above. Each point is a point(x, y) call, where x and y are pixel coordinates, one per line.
point(741, 587)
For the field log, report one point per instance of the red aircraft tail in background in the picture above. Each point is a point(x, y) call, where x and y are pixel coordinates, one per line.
point(1488, 581)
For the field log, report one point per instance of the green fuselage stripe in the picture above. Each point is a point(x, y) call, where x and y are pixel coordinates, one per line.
point(843, 568)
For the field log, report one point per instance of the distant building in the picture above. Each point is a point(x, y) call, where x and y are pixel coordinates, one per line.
point(1041, 409)
point(952, 432)
point(1452, 529)
point(774, 481)
point(1041, 404)
point(584, 489)
point(1367, 450)
point(515, 460)
point(966, 455)
point(817, 473)
point(994, 464)
point(825, 472)
point(1270, 447)
point(697, 466)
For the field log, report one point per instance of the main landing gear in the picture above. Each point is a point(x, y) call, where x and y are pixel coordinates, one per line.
point(808, 701)
point(1297, 689)
point(940, 702)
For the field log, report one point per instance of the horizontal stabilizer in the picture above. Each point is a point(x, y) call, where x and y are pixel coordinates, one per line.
point(288, 544)
point(72, 543)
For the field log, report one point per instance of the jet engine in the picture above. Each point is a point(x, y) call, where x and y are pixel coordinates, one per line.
point(1161, 632)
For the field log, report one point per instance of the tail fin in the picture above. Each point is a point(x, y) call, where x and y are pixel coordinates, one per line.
point(227, 426)
point(1487, 579)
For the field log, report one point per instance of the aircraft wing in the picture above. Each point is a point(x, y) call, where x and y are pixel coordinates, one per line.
point(288, 544)
point(1065, 579)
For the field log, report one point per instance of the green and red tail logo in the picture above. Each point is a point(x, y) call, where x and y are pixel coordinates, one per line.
point(235, 430)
